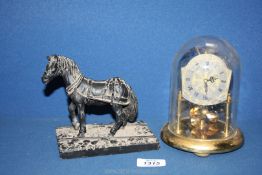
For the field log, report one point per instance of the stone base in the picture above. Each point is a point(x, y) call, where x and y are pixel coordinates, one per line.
point(133, 137)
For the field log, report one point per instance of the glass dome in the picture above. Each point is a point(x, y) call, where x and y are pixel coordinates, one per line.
point(204, 97)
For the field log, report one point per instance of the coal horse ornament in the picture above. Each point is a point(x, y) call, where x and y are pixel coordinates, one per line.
point(84, 91)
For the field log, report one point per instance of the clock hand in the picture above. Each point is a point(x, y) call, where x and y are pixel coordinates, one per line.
point(206, 86)
point(212, 79)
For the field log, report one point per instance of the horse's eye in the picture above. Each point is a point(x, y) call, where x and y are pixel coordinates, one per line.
point(53, 69)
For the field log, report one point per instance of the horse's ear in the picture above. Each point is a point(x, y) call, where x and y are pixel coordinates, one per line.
point(56, 57)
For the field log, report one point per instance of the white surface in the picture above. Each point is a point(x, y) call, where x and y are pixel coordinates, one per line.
point(150, 162)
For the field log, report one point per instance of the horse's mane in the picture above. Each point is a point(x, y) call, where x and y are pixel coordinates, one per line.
point(67, 64)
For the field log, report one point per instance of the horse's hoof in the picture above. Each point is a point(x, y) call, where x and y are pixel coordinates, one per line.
point(76, 125)
point(81, 134)
point(109, 135)
point(112, 131)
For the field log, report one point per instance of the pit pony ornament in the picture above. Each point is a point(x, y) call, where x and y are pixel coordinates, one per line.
point(84, 91)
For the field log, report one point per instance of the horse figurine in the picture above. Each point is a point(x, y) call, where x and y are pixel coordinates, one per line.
point(84, 91)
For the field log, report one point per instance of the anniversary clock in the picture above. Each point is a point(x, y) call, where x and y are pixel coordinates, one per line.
point(204, 98)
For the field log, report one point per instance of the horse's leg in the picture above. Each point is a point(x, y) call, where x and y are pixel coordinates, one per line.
point(124, 118)
point(119, 122)
point(73, 116)
point(81, 113)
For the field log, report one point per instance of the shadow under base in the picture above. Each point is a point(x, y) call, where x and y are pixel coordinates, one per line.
point(134, 137)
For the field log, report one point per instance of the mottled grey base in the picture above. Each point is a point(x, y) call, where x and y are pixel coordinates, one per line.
point(133, 137)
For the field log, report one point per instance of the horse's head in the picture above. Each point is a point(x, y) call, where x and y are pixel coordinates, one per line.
point(52, 69)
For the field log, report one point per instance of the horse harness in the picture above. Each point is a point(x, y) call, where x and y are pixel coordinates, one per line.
point(113, 90)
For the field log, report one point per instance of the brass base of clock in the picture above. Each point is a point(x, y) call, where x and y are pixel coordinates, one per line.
point(202, 147)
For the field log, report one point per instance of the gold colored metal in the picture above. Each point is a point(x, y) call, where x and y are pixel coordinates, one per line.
point(203, 123)
point(179, 99)
point(228, 102)
point(195, 111)
point(203, 147)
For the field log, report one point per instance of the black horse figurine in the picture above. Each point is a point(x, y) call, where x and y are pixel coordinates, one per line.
point(84, 91)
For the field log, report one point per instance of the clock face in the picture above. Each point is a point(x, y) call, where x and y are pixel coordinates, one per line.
point(205, 80)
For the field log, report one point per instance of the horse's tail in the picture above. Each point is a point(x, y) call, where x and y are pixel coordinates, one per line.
point(132, 108)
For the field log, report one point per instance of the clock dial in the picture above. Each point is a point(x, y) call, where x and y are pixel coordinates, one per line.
point(205, 80)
